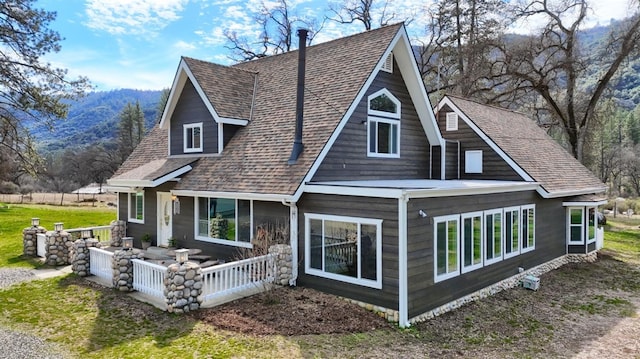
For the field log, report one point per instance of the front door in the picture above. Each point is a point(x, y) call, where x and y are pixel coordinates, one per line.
point(165, 218)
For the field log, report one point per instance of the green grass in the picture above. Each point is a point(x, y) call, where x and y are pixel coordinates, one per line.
point(14, 218)
point(622, 238)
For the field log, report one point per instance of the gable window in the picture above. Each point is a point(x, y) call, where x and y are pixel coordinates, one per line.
point(452, 121)
point(192, 137)
point(383, 125)
point(493, 236)
point(511, 232)
point(347, 249)
point(224, 221)
point(528, 228)
point(473, 161)
point(136, 207)
point(471, 241)
point(446, 247)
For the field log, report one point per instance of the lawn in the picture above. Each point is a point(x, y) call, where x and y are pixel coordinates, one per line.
point(14, 218)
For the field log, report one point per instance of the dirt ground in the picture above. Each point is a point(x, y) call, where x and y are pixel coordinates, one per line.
point(580, 310)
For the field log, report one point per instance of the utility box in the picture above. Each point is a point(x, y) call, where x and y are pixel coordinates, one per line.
point(531, 282)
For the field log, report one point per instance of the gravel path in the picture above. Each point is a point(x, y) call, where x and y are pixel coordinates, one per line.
point(17, 345)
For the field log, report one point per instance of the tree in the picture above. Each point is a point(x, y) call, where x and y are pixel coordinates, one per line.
point(162, 103)
point(370, 13)
point(277, 23)
point(130, 129)
point(554, 68)
point(32, 92)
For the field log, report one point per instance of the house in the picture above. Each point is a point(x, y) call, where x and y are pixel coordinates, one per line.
point(337, 146)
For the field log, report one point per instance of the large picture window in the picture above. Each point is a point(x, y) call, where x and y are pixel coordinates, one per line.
point(136, 207)
point(224, 220)
point(471, 241)
point(383, 125)
point(446, 249)
point(344, 248)
point(511, 232)
point(192, 137)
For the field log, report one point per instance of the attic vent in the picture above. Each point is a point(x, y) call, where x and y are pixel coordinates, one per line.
point(452, 121)
point(388, 63)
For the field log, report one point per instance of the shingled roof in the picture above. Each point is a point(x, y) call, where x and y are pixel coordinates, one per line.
point(529, 146)
point(255, 159)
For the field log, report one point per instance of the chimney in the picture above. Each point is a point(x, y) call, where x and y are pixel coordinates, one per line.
point(302, 57)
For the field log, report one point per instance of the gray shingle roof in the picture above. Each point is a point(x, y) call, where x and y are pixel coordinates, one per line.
point(152, 147)
point(531, 148)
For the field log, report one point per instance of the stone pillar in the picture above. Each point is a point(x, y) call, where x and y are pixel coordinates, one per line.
point(80, 261)
point(30, 240)
point(58, 248)
point(183, 287)
point(123, 269)
point(283, 263)
point(118, 229)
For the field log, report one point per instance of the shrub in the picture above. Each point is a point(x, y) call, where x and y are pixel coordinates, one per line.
point(7, 187)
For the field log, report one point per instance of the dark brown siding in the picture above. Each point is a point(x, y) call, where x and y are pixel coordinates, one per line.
point(494, 167)
point(347, 159)
point(376, 208)
point(150, 225)
point(436, 162)
point(452, 159)
point(191, 109)
point(425, 295)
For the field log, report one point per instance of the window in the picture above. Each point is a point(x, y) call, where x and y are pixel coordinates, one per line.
point(471, 241)
point(347, 249)
point(511, 232)
point(493, 236)
point(224, 221)
point(591, 226)
point(136, 207)
point(473, 161)
point(193, 137)
point(446, 247)
point(528, 228)
point(452, 121)
point(383, 125)
point(576, 232)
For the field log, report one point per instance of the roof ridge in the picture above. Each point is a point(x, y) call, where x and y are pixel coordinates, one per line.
point(209, 63)
point(488, 105)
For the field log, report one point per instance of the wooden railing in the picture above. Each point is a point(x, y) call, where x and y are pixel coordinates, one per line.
point(148, 278)
point(101, 233)
point(100, 264)
point(599, 238)
point(237, 279)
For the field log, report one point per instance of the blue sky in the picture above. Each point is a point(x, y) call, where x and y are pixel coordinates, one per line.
point(138, 43)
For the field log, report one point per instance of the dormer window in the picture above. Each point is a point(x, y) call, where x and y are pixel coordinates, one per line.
point(383, 125)
point(193, 137)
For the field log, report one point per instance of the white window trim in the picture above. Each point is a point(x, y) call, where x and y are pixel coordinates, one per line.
point(473, 161)
point(372, 121)
point(595, 224)
point(582, 226)
point(451, 121)
point(131, 216)
point(377, 284)
point(384, 91)
point(185, 131)
point(226, 242)
point(438, 278)
point(493, 212)
point(467, 269)
point(532, 247)
point(504, 232)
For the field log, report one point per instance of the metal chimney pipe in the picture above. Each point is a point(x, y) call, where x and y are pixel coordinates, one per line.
point(298, 146)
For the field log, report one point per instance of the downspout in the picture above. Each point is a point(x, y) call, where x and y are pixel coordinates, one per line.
point(293, 239)
point(403, 292)
point(302, 58)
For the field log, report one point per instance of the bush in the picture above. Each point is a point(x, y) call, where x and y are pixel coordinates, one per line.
point(7, 187)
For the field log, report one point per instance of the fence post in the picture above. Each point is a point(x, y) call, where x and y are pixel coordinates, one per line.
point(123, 269)
point(81, 259)
point(58, 247)
point(118, 229)
point(29, 238)
point(183, 287)
point(283, 263)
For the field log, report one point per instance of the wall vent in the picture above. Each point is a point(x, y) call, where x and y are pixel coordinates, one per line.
point(452, 121)
point(388, 63)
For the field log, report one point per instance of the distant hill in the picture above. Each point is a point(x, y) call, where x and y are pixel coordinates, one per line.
point(94, 118)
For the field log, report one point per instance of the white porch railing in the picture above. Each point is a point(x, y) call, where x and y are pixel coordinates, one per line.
point(599, 238)
point(41, 243)
point(148, 278)
point(101, 233)
point(100, 264)
point(225, 282)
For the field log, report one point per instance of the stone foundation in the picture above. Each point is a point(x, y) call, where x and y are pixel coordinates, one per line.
point(80, 261)
point(58, 248)
point(283, 262)
point(30, 241)
point(123, 269)
point(183, 287)
point(118, 230)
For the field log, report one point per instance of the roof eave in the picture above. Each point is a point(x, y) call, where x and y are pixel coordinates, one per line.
point(559, 194)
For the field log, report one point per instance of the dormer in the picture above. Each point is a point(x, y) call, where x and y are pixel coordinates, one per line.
point(208, 103)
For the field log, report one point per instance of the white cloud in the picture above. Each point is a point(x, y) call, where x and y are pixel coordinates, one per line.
point(132, 17)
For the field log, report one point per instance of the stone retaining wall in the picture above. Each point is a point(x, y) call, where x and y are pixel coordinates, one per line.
point(30, 240)
point(80, 261)
point(183, 287)
point(123, 269)
point(58, 248)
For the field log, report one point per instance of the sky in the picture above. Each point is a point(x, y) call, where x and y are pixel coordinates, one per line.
point(138, 43)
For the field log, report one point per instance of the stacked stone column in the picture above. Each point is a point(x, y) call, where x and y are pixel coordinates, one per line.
point(118, 229)
point(30, 240)
point(80, 262)
point(183, 287)
point(58, 247)
point(123, 269)
point(283, 263)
